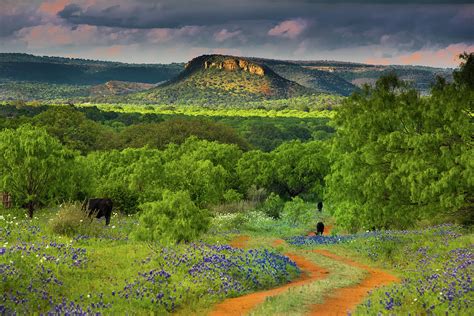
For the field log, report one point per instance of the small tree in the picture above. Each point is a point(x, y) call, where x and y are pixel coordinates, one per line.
point(173, 219)
point(33, 166)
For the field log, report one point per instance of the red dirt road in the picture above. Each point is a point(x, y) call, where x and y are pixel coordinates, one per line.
point(346, 299)
point(243, 304)
point(337, 303)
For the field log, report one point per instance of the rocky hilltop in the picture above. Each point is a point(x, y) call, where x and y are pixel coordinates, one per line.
point(227, 63)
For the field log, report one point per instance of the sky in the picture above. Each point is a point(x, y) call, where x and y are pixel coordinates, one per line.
point(422, 32)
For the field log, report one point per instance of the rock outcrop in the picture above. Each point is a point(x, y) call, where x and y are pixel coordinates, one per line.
point(229, 63)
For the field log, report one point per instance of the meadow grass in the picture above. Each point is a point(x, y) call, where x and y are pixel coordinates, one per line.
point(298, 300)
point(109, 273)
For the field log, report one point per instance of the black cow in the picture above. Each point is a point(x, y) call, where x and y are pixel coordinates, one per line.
point(319, 228)
point(103, 207)
point(320, 206)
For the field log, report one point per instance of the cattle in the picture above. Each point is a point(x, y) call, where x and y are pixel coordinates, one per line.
point(319, 228)
point(103, 208)
point(320, 206)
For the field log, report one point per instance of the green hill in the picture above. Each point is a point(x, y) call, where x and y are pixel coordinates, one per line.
point(58, 70)
point(421, 77)
point(216, 79)
point(318, 80)
point(207, 79)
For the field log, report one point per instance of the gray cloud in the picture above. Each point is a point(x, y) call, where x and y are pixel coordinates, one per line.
point(333, 25)
point(272, 28)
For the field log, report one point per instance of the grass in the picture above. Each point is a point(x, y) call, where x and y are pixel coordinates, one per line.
point(108, 273)
point(434, 263)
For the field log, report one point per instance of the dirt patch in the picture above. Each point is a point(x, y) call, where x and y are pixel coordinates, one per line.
point(278, 242)
point(240, 242)
point(343, 300)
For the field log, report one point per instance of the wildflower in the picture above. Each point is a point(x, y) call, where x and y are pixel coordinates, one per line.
point(2, 250)
point(113, 227)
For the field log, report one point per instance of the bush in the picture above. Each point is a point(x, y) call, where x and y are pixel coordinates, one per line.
point(233, 207)
point(256, 194)
point(172, 220)
point(124, 199)
point(72, 220)
point(232, 196)
point(228, 222)
point(273, 206)
point(296, 212)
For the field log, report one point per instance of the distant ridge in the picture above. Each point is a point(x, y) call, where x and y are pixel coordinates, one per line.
point(59, 70)
point(206, 79)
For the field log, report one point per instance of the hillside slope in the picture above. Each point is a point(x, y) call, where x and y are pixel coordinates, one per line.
point(319, 80)
point(420, 77)
point(58, 70)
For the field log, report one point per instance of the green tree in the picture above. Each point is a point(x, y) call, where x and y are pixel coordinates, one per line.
point(74, 130)
point(399, 158)
point(173, 219)
point(34, 167)
point(129, 177)
point(465, 74)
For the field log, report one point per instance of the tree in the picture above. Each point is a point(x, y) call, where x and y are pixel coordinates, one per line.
point(74, 130)
point(465, 74)
point(34, 167)
point(398, 158)
point(173, 219)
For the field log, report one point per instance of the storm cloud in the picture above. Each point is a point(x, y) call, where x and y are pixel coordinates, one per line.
point(173, 30)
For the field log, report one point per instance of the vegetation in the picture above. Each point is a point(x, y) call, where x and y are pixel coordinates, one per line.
point(399, 158)
point(172, 220)
point(321, 81)
point(199, 84)
point(57, 70)
point(35, 168)
point(184, 187)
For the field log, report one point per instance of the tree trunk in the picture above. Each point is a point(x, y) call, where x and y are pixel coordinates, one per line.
point(31, 208)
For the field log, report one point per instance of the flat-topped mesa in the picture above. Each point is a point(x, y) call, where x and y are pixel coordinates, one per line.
point(228, 63)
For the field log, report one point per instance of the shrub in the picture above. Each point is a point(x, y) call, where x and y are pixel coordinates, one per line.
point(232, 196)
point(296, 212)
point(256, 194)
point(233, 207)
point(124, 199)
point(72, 220)
point(228, 222)
point(273, 206)
point(173, 219)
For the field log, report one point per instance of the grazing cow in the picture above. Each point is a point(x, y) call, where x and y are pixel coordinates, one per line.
point(103, 207)
point(320, 206)
point(319, 228)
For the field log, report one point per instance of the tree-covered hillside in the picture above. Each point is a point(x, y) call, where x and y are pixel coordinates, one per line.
point(216, 79)
point(58, 70)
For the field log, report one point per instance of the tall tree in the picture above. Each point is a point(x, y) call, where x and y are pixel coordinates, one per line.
point(34, 167)
point(399, 158)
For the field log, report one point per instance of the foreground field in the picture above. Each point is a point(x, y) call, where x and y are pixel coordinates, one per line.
point(105, 272)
